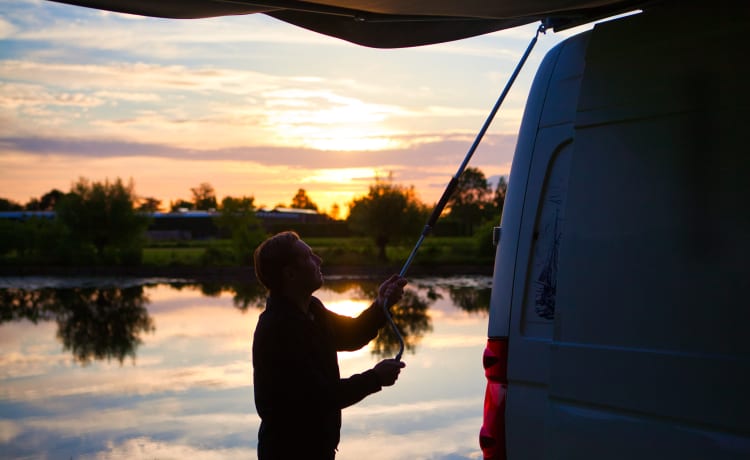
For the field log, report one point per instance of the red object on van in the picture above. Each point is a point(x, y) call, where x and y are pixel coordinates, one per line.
point(492, 434)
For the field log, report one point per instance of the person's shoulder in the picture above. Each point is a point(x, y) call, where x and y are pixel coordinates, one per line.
point(316, 302)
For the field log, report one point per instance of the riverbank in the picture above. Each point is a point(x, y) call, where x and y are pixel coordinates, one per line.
point(236, 273)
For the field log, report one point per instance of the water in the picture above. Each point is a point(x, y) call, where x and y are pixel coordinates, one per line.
point(147, 368)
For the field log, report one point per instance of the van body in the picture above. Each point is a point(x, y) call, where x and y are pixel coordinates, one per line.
point(621, 286)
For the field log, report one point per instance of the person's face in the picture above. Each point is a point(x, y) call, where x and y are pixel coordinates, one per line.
point(305, 271)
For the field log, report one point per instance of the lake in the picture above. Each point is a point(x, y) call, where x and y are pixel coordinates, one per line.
point(159, 368)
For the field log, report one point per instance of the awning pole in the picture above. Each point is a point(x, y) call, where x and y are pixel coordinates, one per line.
point(454, 180)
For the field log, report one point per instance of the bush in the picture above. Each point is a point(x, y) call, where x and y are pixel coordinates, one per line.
point(485, 248)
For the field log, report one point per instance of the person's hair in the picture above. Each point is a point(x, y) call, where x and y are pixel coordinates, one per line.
point(272, 256)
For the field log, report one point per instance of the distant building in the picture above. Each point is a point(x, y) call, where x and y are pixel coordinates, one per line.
point(188, 225)
point(291, 215)
point(26, 215)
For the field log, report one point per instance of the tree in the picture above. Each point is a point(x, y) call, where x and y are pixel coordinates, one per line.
point(302, 201)
point(335, 213)
point(149, 204)
point(204, 196)
point(9, 205)
point(499, 197)
point(237, 216)
point(388, 213)
point(47, 202)
point(100, 216)
point(177, 206)
point(471, 202)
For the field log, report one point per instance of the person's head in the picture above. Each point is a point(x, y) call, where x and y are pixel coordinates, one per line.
point(284, 261)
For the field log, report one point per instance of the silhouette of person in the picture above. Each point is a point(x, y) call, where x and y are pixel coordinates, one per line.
point(299, 393)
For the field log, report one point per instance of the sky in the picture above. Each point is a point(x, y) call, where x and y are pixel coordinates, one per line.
point(251, 105)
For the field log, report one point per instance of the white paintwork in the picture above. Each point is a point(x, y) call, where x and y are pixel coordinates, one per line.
point(634, 156)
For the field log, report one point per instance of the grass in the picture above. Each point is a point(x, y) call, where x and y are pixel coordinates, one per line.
point(353, 251)
point(334, 251)
point(173, 257)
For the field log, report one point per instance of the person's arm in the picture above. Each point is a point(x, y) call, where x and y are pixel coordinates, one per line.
point(353, 333)
point(290, 382)
point(355, 388)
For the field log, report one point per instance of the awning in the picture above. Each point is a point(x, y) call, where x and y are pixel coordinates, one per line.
point(385, 23)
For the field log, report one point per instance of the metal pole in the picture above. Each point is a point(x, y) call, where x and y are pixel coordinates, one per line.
point(454, 180)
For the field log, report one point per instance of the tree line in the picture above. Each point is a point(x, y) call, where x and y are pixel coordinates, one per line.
point(105, 222)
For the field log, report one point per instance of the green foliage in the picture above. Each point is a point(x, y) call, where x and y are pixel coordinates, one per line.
point(237, 218)
point(10, 236)
point(472, 201)
point(485, 248)
point(388, 213)
point(217, 255)
point(96, 224)
point(100, 224)
point(174, 256)
point(34, 241)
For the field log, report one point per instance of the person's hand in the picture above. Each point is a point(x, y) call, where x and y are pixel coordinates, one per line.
point(387, 371)
point(391, 291)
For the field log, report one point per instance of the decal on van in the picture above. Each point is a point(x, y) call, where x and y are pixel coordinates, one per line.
point(548, 229)
point(546, 282)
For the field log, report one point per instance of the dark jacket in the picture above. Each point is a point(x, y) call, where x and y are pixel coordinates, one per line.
point(299, 392)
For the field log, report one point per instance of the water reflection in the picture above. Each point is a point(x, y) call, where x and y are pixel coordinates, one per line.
point(92, 323)
point(102, 323)
point(108, 322)
point(470, 299)
point(189, 392)
point(412, 321)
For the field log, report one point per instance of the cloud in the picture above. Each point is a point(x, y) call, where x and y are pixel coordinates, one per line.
point(31, 166)
point(246, 103)
point(75, 30)
point(209, 107)
point(9, 430)
point(134, 75)
point(146, 448)
point(6, 29)
point(424, 149)
point(21, 95)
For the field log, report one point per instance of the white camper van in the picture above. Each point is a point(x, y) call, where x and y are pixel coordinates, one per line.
point(622, 274)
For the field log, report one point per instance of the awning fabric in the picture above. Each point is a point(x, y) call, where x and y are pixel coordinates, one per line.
point(384, 23)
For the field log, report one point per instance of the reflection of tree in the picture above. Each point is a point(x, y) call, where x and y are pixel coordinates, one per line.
point(249, 294)
point(471, 298)
point(103, 323)
point(410, 316)
point(245, 293)
point(93, 323)
point(32, 305)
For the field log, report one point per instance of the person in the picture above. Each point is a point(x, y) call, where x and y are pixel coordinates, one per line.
point(299, 393)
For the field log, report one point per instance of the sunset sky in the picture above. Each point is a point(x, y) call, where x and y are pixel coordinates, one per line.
point(249, 104)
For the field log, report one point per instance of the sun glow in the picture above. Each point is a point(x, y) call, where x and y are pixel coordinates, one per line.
point(348, 307)
point(340, 175)
point(350, 141)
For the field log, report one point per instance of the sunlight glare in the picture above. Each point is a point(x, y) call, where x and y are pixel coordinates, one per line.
point(351, 142)
point(348, 307)
point(340, 175)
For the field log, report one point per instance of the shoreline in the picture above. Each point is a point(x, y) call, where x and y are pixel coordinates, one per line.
point(235, 273)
